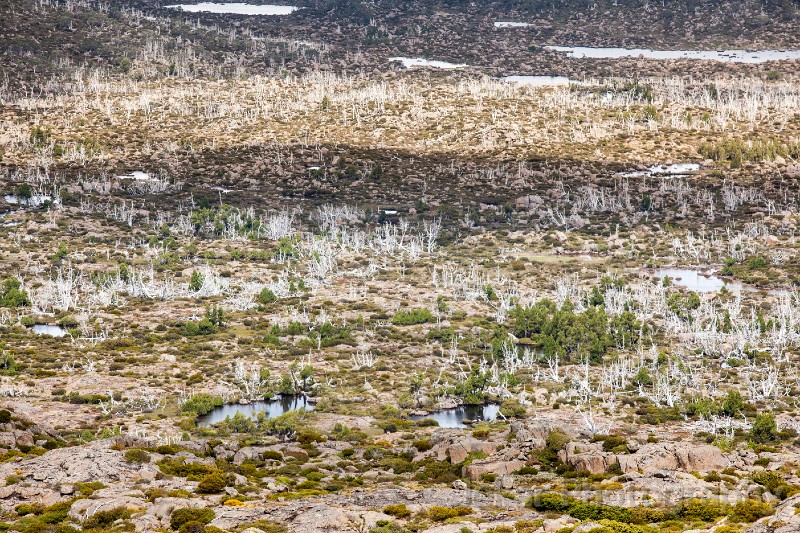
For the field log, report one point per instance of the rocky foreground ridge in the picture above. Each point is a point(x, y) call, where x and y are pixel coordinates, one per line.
point(148, 485)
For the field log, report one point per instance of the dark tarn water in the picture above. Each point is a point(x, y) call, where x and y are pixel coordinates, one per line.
point(272, 408)
point(455, 417)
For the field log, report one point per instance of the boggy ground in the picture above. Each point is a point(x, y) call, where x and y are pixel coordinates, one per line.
point(667, 409)
point(387, 244)
point(355, 37)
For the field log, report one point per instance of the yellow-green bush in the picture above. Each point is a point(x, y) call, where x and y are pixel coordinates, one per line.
point(440, 514)
point(750, 510)
point(190, 514)
point(399, 510)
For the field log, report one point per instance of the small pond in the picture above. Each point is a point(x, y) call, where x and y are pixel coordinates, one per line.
point(409, 62)
point(695, 281)
point(236, 8)
point(729, 56)
point(46, 329)
point(677, 169)
point(35, 200)
point(271, 408)
point(538, 81)
point(509, 24)
point(455, 417)
point(137, 175)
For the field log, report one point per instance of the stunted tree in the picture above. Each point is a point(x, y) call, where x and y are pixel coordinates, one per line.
point(196, 281)
point(12, 294)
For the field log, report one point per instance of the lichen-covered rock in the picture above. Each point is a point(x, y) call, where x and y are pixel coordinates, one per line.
point(498, 468)
point(96, 461)
point(683, 456)
point(651, 457)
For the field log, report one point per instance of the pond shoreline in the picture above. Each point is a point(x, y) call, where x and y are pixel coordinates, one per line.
point(273, 407)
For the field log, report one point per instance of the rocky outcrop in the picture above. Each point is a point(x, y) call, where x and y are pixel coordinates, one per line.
point(683, 456)
point(499, 468)
point(84, 508)
point(785, 519)
point(532, 435)
point(19, 432)
point(460, 450)
point(323, 518)
point(96, 461)
point(248, 453)
point(457, 446)
point(588, 457)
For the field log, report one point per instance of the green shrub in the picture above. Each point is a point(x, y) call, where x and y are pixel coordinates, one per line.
point(24, 191)
point(785, 490)
point(612, 443)
point(266, 296)
point(27, 524)
point(511, 408)
point(12, 294)
point(550, 501)
point(412, 317)
point(40, 136)
point(192, 527)
point(556, 440)
point(750, 511)
point(764, 428)
point(287, 424)
point(422, 445)
point(769, 479)
point(239, 423)
point(727, 529)
point(26, 509)
point(399, 510)
point(89, 488)
point(436, 471)
point(56, 513)
point(106, 518)
point(137, 455)
point(440, 514)
point(176, 467)
point(695, 509)
point(201, 403)
point(203, 327)
point(611, 526)
point(705, 510)
point(183, 515)
point(315, 476)
point(737, 151)
point(733, 404)
point(267, 526)
point(196, 281)
point(212, 483)
point(310, 435)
